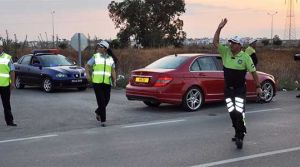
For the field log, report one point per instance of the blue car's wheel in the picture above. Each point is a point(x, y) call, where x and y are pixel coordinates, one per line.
point(47, 85)
point(18, 83)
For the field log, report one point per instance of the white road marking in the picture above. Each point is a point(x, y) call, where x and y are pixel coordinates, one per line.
point(256, 111)
point(248, 157)
point(153, 123)
point(27, 138)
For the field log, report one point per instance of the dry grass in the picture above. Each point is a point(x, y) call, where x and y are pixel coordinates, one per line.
point(277, 62)
point(281, 64)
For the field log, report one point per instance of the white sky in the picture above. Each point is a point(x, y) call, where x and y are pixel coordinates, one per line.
point(246, 18)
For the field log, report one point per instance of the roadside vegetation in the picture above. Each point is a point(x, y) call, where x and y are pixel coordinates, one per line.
point(277, 61)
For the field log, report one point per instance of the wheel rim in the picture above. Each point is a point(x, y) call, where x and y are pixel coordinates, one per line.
point(267, 91)
point(194, 99)
point(18, 82)
point(47, 85)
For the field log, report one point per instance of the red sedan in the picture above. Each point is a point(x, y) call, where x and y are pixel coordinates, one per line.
point(189, 80)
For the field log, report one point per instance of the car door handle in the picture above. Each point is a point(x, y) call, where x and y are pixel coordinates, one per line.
point(201, 75)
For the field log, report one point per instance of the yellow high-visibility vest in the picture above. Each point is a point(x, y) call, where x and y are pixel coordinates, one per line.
point(102, 69)
point(4, 69)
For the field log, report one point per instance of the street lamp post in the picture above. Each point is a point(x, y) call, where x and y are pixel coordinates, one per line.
point(52, 13)
point(272, 14)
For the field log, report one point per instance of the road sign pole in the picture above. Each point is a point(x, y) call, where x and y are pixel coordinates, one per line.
point(79, 50)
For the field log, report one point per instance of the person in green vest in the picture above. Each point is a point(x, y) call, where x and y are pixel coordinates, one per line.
point(100, 71)
point(250, 50)
point(7, 80)
point(236, 63)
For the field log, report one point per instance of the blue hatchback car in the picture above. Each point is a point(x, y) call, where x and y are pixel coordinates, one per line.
point(50, 70)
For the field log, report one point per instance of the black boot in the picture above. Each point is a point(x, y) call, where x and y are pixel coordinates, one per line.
point(11, 124)
point(239, 143)
point(298, 96)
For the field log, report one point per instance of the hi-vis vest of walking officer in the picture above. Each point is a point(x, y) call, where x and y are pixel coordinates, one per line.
point(7, 76)
point(101, 72)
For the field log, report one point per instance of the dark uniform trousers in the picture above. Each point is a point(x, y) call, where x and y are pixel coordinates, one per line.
point(102, 92)
point(235, 101)
point(5, 97)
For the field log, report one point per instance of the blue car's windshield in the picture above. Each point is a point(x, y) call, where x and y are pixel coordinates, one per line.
point(55, 60)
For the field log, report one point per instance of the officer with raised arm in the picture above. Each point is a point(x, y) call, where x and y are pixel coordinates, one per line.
point(236, 63)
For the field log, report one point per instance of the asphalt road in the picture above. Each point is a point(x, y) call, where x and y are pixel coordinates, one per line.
point(59, 129)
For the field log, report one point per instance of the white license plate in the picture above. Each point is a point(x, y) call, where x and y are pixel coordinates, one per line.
point(76, 80)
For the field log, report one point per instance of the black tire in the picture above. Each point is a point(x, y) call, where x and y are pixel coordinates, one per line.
point(267, 91)
point(81, 88)
point(18, 83)
point(47, 85)
point(193, 99)
point(152, 103)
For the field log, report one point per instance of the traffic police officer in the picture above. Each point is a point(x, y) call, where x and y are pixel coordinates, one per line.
point(102, 75)
point(250, 50)
point(7, 78)
point(236, 63)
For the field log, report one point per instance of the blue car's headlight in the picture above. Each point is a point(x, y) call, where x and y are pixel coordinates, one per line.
point(61, 75)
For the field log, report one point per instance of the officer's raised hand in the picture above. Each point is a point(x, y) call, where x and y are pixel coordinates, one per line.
point(217, 33)
point(223, 23)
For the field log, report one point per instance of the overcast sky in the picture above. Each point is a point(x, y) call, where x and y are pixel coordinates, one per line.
point(247, 18)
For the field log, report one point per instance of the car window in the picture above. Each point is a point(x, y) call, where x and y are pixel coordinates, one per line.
point(195, 66)
point(55, 60)
point(35, 60)
point(219, 63)
point(25, 60)
point(168, 62)
point(207, 64)
point(20, 60)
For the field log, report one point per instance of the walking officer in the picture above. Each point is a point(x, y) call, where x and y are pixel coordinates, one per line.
point(100, 70)
point(236, 63)
point(7, 78)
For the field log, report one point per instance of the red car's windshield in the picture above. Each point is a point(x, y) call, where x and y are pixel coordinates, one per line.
point(168, 62)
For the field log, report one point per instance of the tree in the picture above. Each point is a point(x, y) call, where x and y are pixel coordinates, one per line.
point(150, 23)
point(265, 41)
point(63, 44)
point(277, 41)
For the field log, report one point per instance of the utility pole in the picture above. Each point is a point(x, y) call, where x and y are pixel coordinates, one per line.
point(290, 27)
point(272, 15)
point(52, 13)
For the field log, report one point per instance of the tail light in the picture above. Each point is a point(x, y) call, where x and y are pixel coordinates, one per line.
point(162, 81)
point(131, 80)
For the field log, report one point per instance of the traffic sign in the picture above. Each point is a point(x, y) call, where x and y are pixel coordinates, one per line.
point(79, 42)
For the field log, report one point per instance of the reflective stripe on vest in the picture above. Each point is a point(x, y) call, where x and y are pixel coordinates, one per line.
point(4, 69)
point(102, 69)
